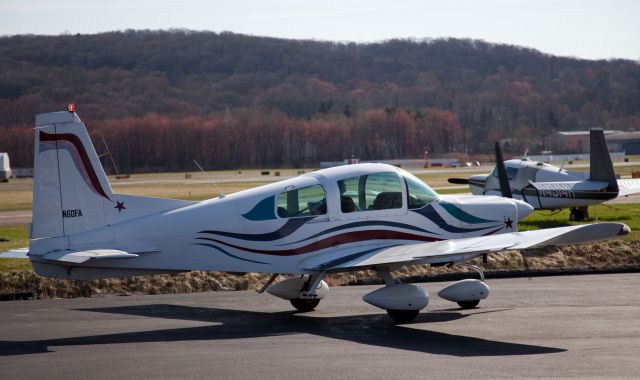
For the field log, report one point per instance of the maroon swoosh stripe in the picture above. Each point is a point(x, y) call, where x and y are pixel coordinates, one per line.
point(82, 153)
point(349, 237)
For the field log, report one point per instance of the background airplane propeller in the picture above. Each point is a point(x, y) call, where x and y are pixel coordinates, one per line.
point(505, 188)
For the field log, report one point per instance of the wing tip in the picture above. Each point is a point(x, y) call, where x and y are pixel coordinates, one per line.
point(624, 230)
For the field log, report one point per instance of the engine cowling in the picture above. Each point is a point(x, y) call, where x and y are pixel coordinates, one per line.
point(398, 297)
point(465, 290)
point(291, 288)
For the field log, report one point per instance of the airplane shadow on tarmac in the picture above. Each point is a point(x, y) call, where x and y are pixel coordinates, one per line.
point(371, 329)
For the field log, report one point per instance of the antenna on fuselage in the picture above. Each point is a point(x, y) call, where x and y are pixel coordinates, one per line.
point(211, 178)
point(108, 152)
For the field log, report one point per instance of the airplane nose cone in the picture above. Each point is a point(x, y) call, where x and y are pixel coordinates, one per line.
point(524, 209)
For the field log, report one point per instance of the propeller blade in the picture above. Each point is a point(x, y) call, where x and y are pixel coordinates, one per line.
point(505, 189)
point(458, 181)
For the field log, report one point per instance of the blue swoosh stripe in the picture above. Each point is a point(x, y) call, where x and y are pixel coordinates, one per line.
point(229, 254)
point(462, 215)
point(363, 224)
point(287, 229)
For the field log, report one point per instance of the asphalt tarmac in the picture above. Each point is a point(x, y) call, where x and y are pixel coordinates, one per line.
point(570, 326)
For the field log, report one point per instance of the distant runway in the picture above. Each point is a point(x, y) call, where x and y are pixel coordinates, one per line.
point(572, 326)
point(15, 218)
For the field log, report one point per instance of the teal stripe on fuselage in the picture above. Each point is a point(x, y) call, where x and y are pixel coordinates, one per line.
point(264, 210)
point(460, 214)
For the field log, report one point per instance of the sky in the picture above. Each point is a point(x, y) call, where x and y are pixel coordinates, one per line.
point(587, 29)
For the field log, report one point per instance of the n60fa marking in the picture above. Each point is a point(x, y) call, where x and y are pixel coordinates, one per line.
point(77, 213)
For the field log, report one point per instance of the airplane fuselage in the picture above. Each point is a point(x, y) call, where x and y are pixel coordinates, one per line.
point(554, 187)
point(276, 227)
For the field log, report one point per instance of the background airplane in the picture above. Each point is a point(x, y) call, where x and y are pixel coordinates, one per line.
point(366, 216)
point(549, 187)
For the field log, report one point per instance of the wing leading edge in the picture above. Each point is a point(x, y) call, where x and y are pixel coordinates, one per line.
point(457, 250)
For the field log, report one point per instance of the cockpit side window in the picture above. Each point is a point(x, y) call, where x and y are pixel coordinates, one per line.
point(302, 202)
point(512, 173)
point(377, 191)
point(419, 193)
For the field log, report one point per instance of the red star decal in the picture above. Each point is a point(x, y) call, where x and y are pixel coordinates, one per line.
point(508, 223)
point(120, 206)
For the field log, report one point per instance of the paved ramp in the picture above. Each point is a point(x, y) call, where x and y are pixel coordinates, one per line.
point(573, 326)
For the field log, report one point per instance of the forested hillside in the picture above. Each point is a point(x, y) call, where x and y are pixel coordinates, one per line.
point(161, 99)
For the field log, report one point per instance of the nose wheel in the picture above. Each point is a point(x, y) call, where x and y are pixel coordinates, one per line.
point(304, 305)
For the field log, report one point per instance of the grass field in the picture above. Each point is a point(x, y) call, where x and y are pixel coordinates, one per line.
point(628, 213)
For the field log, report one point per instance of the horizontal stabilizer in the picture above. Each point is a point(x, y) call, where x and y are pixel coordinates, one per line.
point(78, 257)
point(20, 253)
point(458, 181)
point(628, 187)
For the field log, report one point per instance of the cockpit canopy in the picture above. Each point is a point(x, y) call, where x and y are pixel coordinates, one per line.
point(382, 190)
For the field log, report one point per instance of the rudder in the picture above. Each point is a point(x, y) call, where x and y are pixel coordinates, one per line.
point(601, 167)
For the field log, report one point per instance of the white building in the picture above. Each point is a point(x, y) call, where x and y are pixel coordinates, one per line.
point(5, 168)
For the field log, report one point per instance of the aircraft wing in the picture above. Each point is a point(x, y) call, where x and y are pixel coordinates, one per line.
point(628, 187)
point(458, 250)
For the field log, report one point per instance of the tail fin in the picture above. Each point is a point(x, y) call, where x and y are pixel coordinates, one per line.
point(70, 188)
point(601, 166)
point(71, 193)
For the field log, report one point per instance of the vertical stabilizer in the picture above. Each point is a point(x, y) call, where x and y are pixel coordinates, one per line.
point(70, 188)
point(601, 165)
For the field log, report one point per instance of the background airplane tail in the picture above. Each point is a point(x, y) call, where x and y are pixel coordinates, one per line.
point(601, 165)
point(71, 192)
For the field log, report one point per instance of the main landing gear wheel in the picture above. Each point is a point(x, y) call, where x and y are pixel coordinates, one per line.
point(304, 305)
point(468, 304)
point(578, 214)
point(403, 316)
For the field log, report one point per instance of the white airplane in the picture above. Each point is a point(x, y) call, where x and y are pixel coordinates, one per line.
point(549, 187)
point(365, 216)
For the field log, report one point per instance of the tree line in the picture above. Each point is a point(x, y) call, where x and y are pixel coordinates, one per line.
point(235, 101)
point(245, 138)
